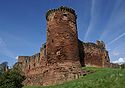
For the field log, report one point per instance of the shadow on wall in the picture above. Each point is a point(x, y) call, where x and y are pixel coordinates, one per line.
point(81, 53)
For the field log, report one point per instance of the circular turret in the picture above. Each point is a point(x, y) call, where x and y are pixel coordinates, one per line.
point(62, 8)
point(62, 38)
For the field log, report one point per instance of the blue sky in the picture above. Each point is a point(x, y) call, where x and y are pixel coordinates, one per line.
point(23, 25)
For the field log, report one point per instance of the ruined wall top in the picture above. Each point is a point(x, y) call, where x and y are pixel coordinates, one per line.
point(62, 8)
point(99, 44)
point(27, 59)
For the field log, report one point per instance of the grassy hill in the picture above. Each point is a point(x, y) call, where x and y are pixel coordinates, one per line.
point(101, 78)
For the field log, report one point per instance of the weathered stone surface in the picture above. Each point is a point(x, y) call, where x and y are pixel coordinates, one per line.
point(115, 65)
point(61, 58)
point(92, 54)
point(62, 47)
point(52, 74)
point(62, 41)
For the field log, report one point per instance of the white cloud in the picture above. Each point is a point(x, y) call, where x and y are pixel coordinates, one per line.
point(16, 57)
point(120, 61)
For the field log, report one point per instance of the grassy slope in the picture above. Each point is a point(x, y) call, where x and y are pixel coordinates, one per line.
point(102, 78)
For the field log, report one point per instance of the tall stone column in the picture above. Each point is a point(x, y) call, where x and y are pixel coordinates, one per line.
point(62, 38)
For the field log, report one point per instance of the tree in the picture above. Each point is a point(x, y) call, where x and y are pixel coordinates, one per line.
point(123, 66)
point(3, 68)
point(12, 79)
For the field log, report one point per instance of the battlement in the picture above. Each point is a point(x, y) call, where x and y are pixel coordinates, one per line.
point(35, 55)
point(98, 44)
point(22, 58)
point(101, 44)
point(27, 59)
point(62, 8)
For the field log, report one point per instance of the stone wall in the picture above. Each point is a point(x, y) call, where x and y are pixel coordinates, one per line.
point(62, 56)
point(29, 62)
point(94, 54)
point(39, 72)
point(115, 65)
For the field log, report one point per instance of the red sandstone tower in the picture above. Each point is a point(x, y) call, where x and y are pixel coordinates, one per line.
point(62, 38)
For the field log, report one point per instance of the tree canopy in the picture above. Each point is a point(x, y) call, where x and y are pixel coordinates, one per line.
point(12, 78)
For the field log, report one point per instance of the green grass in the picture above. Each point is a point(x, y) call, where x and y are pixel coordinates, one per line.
point(101, 78)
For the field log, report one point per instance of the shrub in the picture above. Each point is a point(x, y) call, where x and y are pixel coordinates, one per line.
point(11, 79)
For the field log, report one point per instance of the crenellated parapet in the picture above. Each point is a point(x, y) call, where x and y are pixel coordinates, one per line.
point(99, 44)
point(62, 8)
point(28, 62)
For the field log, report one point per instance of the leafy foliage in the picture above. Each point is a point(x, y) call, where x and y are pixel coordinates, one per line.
point(11, 79)
point(123, 66)
point(3, 68)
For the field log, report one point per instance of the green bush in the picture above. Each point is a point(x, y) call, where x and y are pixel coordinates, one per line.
point(11, 79)
point(123, 66)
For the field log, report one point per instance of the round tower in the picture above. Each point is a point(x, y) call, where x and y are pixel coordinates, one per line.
point(62, 37)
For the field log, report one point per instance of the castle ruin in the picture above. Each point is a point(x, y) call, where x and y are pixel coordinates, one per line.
point(62, 56)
